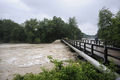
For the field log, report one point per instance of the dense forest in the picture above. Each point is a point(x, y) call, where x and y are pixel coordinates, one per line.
point(48, 30)
point(109, 26)
point(34, 31)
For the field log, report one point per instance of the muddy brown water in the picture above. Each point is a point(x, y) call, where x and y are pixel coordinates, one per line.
point(27, 58)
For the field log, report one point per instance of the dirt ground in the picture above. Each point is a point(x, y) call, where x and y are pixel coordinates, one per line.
point(27, 58)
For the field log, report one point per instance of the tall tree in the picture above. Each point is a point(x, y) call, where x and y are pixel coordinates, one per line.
point(74, 31)
point(109, 27)
point(18, 34)
point(6, 28)
point(31, 26)
point(104, 24)
point(116, 30)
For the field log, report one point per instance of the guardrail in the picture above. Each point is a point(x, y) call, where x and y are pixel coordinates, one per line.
point(98, 42)
point(99, 66)
point(81, 45)
point(101, 42)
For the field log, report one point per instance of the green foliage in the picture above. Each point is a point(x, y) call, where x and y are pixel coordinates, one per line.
point(105, 21)
point(18, 35)
point(30, 37)
point(58, 64)
point(105, 18)
point(6, 29)
point(34, 31)
point(109, 27)
point(18, 77)
point(75, 70)
point(37, 40)
point(30, 28)
point(73, 29)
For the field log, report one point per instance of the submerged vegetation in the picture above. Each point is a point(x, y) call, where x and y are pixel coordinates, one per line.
point(75, 70)
point(34, 31)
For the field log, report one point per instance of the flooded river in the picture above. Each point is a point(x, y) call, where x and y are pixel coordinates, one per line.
point(26, 58)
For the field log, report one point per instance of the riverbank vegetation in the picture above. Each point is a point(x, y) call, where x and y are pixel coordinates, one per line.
point(109, 26)
point(34, 31)
point(75, 70)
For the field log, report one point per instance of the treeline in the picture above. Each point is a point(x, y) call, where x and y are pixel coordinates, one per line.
point(89, 36)
point(109, 27)
point(34, 31)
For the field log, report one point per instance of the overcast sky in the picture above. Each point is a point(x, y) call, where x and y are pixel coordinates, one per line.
point(85, 11)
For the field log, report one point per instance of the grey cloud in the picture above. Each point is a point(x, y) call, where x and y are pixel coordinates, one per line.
point(85, 11)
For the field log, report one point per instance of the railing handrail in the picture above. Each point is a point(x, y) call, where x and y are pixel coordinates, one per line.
point(105, 52)
point(98, 45)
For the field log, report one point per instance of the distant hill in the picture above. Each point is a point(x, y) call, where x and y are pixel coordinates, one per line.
point(88, 36)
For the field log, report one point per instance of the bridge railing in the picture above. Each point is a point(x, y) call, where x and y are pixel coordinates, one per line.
point(101, 42)
point(88, 47)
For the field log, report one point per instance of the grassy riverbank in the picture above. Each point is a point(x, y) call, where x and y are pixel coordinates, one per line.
point(75, 70)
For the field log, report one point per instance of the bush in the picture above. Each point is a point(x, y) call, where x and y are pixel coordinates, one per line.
point(37, 40)
point(73, 71)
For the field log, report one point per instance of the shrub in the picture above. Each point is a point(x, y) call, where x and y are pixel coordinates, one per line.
point(75, 70)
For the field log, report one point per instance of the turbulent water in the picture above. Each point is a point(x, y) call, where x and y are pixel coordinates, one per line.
point(26, 58)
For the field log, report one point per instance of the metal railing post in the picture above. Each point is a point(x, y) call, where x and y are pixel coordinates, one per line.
point(84, 47)
point(105, 55)
point(79, 45)
point(76, 44)
point(92, 49)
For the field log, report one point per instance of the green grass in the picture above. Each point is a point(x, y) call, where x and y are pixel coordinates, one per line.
point(75, 70)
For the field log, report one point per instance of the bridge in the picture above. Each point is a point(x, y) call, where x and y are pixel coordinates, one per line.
point(94, 52)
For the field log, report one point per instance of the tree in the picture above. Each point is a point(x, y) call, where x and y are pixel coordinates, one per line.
point(104, 24)
point(116, 30)
point(109, 27)
point(74, 31)
point(34, 31)
point(6, 28)
point(18, 35)
point(31, 26)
